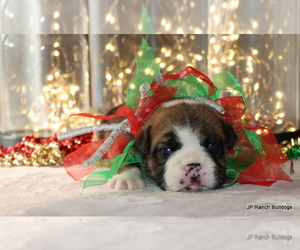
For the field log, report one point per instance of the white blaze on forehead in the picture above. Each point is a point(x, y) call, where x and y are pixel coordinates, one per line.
point(190, 152)
point(187, 137)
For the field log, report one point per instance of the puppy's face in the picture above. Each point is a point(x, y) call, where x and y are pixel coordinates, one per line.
point(184, 145)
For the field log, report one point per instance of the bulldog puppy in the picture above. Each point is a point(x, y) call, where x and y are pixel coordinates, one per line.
point(184, 146)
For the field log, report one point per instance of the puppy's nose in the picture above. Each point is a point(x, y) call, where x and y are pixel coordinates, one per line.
point(194, 165)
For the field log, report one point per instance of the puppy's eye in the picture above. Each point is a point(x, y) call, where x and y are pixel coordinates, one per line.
point(165, 152)
point(212, 145)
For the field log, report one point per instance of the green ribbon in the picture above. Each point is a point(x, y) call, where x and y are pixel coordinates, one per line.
point(187, 87)
point(145, 24)
point(147, 69)
point(99, 177)
point(225, 81)
point(243, 157)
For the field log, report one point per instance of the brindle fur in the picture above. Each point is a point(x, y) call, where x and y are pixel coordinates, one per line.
point(158, 129)
point(204, 120)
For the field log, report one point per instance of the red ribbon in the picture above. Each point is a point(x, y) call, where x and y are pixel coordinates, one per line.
point(74, 160)
point(189, 70)
point(266, 169)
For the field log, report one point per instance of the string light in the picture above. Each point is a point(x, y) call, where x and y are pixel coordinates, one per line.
point(59, 96)
point(110, 18)
point(256, 75)
point(56, 14)
point(56, 26)
point(250, 66)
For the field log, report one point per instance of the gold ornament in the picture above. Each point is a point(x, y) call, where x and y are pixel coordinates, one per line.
point(54, 144)
point(17, 162)
point(8, 157)
point(27, 162)
point(8, 163)
point(18, 156)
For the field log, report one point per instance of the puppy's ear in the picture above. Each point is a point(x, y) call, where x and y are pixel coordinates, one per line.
point(143, 141)
point(230, 134)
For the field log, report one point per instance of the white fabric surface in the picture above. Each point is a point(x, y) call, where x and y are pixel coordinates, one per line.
point(43, 208)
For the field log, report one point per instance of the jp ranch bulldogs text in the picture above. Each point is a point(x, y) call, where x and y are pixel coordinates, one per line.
point(269, 207)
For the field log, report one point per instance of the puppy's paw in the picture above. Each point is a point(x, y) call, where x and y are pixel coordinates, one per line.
point(127, 180)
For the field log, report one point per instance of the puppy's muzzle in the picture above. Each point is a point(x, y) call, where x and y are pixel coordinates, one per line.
point(192, 180)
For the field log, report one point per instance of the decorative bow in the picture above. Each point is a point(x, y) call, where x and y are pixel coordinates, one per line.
point(255, 158)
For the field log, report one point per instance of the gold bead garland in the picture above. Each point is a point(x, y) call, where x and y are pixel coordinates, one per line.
point(33, 151)
point(43, 155)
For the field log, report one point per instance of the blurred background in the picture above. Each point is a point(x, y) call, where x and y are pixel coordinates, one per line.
point(59, 57)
